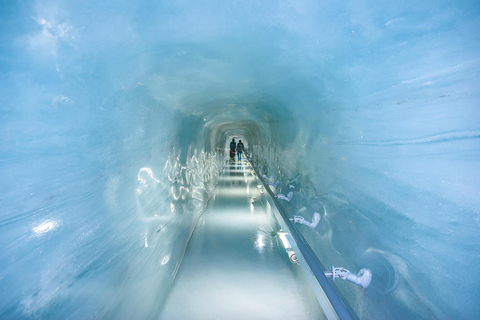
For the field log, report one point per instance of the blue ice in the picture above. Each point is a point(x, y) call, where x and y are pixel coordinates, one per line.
point(115, 116)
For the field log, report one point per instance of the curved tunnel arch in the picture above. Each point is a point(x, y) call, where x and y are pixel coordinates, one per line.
point(370, 110)
point(221, 133)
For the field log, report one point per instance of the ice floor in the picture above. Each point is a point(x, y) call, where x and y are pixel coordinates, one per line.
point(233, 267)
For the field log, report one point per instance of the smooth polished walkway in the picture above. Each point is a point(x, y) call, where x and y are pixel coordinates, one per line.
point(233, 267)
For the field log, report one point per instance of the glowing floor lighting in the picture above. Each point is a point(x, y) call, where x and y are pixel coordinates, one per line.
point(235, 171)
point(237, 178)
point(283, 237)
point(234, 191)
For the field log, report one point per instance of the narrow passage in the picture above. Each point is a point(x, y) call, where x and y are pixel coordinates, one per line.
point(233, 267)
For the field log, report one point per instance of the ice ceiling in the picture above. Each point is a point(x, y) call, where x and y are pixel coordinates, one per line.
point(113, 114)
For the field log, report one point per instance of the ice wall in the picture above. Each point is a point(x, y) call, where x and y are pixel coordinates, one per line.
point(113, 114)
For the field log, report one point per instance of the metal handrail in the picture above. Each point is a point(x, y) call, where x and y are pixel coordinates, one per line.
point(342, 308)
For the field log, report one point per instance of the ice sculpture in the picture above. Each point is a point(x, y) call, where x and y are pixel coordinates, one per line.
point(114, 115)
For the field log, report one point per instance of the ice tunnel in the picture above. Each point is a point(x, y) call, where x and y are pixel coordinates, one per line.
point(115, 116)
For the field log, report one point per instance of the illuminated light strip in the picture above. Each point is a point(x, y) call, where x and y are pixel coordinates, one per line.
point(283, 237)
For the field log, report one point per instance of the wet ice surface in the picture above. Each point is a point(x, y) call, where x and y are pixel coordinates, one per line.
point(233, 268)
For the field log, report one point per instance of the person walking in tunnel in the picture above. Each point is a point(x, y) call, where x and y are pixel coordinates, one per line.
point(240, 148)
point(233, 146)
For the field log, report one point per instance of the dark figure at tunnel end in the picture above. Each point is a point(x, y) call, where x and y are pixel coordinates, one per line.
point(240, 148)
point(233, 146)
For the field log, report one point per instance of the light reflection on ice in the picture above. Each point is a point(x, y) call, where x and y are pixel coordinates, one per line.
point(260, 243)
point(45, 227)
point(142, 179)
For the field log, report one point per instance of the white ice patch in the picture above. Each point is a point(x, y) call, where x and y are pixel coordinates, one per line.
point(390, 22)
point(52, 33)
point(45, 227)
point(60, 99)
point(143, 180)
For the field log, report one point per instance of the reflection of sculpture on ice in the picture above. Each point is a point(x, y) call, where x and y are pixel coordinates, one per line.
point(313, 224)
point(299, 219)
point(363, 278)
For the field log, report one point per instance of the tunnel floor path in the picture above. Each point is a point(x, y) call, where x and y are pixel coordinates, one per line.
point(233, 268)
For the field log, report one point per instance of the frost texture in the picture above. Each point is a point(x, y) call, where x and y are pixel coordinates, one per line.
point(114, 115)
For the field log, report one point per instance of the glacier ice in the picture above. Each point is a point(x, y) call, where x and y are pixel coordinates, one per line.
point(114, 116)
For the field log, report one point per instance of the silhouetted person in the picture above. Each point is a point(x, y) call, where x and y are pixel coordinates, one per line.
point(240, 148)
point(233, 146)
